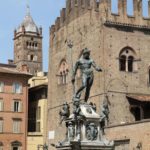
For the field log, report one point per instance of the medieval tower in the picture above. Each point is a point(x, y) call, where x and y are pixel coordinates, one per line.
point(28, 45)
point(120, 45)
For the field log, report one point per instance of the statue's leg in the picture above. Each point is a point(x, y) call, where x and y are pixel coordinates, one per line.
point(84, 84)
point(88, 88)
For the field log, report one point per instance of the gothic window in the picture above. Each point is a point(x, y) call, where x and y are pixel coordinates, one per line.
point(63, 73)
point(127, 60)
point(123, 63)
point(130, 63)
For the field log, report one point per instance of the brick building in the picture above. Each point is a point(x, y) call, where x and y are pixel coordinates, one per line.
point(119, 43)
point(13, 108)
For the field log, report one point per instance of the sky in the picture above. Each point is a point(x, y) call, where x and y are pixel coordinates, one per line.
point(12, 12)
point(44, 13)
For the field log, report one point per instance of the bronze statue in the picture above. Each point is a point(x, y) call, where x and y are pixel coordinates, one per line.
point(71, 130)
point(104, 115)
point(93, 105)
point(64, 112)
point(85, 64)
point(91, 132)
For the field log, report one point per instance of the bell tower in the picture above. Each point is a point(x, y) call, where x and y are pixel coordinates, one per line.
point(28, 45)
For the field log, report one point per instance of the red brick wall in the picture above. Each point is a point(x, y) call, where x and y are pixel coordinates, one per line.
point(137, 132)
point(8, 96)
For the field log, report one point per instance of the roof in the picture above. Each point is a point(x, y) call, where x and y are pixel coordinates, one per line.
point(39, 86)
point(127, 25)
point(12, 70)
point(139, 97)
point(28, 23)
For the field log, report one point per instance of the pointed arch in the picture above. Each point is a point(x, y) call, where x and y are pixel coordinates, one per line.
point(127, 57)
point(63, 72)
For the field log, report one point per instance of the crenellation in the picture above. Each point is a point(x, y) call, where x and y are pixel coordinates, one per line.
point(120, 5)
point(148, 9)
point(62, 16)
point(108, 36)
point(124, 8)
point(103, 8)
point(57, 24)
point(75, 8)
point(139, 8)
point(52, 33)
point(68, 7)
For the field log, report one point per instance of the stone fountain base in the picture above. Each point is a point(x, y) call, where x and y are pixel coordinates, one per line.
point(84, 132)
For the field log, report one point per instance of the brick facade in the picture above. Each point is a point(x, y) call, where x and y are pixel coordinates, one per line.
point(8, 115)
point(108, 36)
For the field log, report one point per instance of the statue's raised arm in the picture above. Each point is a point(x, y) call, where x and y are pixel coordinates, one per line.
point(96, 67)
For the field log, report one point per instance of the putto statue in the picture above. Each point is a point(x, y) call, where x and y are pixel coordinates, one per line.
point(104, 115)
point(64, 112)
point(91, 132)
point(85, 64)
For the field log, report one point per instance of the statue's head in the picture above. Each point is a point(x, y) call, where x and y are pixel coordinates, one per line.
point(86, 53)
point(65, 103)
point(70, 123)
point(92, 124)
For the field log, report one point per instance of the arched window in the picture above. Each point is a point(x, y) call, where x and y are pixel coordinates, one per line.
point(130, 63)
point(16, 145)
point(32, 57)
point(123, 63)
point(63, 72)
point(126, 60)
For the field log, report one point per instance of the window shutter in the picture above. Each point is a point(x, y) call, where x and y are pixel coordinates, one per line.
point(21, 88)
point(20, 107)
point(13, 88)
point(12, 106)
point(1, 86)
point(1, 105)
point(1, 126)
